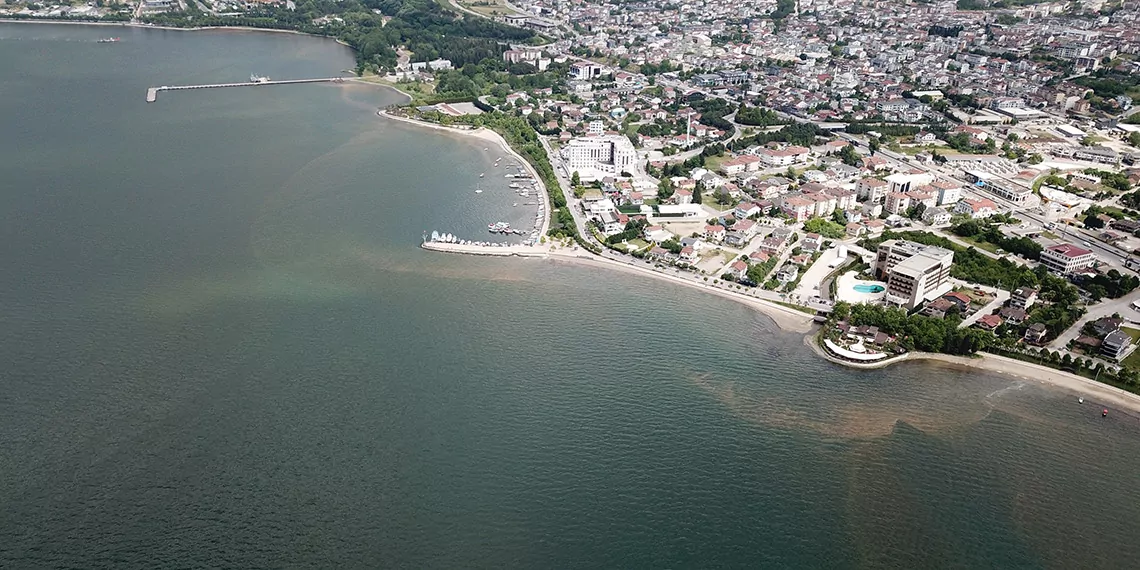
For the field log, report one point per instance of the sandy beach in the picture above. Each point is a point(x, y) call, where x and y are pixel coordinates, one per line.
point(786, 318)
point(492, 137)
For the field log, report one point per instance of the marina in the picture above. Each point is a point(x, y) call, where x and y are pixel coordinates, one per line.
point(254, 80)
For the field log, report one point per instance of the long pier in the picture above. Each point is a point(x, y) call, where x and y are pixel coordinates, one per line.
point(152, 93)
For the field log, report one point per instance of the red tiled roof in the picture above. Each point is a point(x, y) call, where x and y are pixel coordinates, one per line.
point(1069, 250)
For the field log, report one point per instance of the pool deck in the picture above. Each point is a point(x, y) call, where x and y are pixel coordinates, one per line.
point(845, 289)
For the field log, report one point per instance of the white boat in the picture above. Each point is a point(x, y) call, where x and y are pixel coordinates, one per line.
point(514, 185)
point(480, 191)
point(481, 174)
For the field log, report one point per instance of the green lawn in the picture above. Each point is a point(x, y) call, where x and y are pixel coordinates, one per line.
point(980, 244)
point(1114, 210)
point(1132, 360)
point(714, 163)
point(913, 150)
point(487, 8)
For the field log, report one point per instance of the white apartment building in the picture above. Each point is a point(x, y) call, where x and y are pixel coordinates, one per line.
point(914, 273)
point(595, 157)
point(1066, 258)
point(872, 190)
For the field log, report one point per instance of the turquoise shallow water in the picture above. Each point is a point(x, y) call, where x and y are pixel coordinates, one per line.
point(224, 348)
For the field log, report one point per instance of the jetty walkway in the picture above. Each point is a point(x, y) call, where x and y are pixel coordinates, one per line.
point(152, 93)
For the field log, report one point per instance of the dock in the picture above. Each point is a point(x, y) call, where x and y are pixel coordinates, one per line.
point(152, 93)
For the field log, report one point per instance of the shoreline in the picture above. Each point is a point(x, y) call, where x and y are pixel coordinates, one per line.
point(1040, 374)
point(786, 318)
point(491, 136)
point(130, 24)
point(791, 320)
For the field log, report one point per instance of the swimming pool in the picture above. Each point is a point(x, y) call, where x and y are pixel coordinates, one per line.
point(868, 288)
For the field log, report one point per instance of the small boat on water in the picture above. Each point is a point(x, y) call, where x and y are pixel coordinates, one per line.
point(108, 40)
point(514, 185)
point(479, 191)
point(482, 174)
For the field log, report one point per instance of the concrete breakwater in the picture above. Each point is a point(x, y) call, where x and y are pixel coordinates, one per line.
point(493, 250)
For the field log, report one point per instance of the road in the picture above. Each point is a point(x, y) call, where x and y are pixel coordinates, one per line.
point(1000, 297)
point(580, 221)
point(1105, 308)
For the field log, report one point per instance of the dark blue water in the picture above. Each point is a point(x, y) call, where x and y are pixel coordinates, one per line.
point(223, 348)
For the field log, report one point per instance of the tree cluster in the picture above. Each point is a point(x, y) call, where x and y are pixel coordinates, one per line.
point(916, 332)
point(983, 230)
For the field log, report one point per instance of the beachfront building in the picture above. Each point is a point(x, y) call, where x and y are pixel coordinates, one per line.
point(1066, 258)
point(1023, 297)
point(595, 157)
point(1116, 344)
point(914, 273)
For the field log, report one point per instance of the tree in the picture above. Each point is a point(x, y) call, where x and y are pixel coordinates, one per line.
point(1094, 222)
point(849, 156)
point(575, 180)
point(697, 198)
point(873, 144)
point(1134, 139)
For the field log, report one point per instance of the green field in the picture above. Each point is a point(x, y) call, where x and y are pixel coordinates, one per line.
point(487, 8)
